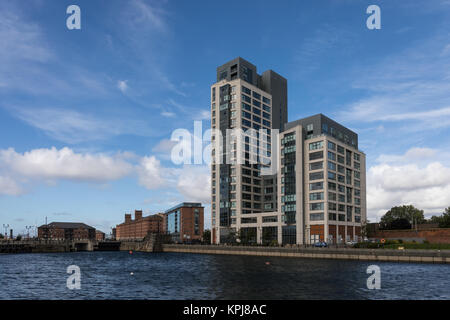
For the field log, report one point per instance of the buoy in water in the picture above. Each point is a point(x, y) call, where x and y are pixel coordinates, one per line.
point(130, 252)
point(131, 274)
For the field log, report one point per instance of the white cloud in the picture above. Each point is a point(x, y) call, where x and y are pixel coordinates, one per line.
point(122, 85)
point(413, 178)
point(53, 164)
point(9, 187)
point(151, 173)
point(194, 183)
point(168, 114)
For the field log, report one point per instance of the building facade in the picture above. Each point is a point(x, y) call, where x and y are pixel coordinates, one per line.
point(138, 228)
point(185, 222)
point(241, 99)
point(318, 192)
point(66, 231)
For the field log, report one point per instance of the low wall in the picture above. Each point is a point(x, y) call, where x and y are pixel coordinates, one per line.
point(437, 235)
point(429, 256)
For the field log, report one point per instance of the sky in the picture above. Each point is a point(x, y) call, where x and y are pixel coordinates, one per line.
point(86, 116)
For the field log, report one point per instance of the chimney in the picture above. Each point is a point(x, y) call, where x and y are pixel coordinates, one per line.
point(127, 217)
point(137, 214)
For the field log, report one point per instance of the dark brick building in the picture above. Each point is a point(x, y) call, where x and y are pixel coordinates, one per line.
point(66, 231)
point(138, 228)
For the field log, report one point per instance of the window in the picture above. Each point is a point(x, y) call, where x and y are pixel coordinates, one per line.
point(341, 188)
point(316, 216)
point(316, 155)
point(331, 185)
point(331, 166)
point(332, 206)
point(316, 165)
point(266, 108)
point(316, 206)
point(331, 145)
point(316, 196)
point(331, 156)
point(332, 216)
point(316, 175)
point(257, 103)
point(246, 98)
point(356, 157)
point(340, 150)
point(266, 100)
point(316, 186)
point(341, 159)
point(246, 90)
point(332, 196)
point(256, 95)
point(316, 145)
point(331, 175)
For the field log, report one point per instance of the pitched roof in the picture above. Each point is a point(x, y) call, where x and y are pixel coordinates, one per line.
point(68, 225)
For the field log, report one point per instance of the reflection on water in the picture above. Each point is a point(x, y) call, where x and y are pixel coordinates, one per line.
point(107, 275)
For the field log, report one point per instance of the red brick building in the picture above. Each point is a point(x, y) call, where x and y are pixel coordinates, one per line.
point(185, 222)
point(66, 231)
point(99, 236)
point(138, 228)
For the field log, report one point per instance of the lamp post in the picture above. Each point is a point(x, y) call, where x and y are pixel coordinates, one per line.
point(6, 226)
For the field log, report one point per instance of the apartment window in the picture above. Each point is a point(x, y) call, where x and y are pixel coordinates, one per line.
point(214, 94)
point(266, 115)
point(340, 150)
point(341, 188)
point(266, 108)
point(331, 156)
point(348, 158)
point(356, 157)
point(332, 206)
point(331, 185)
point(331, 145)
point(316, 216)
point(332, 196)
point(266, 100)
point(246, 106)
point(316, 165)
point(316, 206)
point(357, 166)
point(341, 159)
point(257, 103)
point(331, 166)
point(341, 217)
point(246, 98)
point(341, 198)
point(316, 155)
point(331, 175)
point(357, 193)
point(357, 210)
point(316, 145)
point(332, 216)
point(316, 175)
point(316, 196)
point(325, 127)
point(246, 90)
point(269, 219)
point(341, 178)
point(316, 186)
point(357, 174)
point(256, 95)
point(357, 183)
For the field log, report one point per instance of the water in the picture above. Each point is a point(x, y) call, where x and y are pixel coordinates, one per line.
point(106, 275)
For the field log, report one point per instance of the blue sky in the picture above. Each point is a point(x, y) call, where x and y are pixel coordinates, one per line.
point(86, 115)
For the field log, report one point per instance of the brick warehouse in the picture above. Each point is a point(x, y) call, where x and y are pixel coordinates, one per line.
point(138, 228)
point(66, 231)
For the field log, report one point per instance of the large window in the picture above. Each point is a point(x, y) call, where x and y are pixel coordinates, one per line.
point(316, 155)
point(316, 196)
point(316, 165)
point(316, 175)
point(316, 145)
point(316, 216)
point(316, 186)
point(316, 206)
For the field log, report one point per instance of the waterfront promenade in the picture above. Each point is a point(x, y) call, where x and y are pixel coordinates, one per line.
point(391, 255)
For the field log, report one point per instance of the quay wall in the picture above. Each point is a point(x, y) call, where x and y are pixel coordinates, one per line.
point(391, 255)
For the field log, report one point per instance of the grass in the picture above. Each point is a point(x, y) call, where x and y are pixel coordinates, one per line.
point(406, 245)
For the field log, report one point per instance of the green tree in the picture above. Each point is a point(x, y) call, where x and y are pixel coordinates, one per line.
point(444, 221)
point(207, 236)
point(408, 212)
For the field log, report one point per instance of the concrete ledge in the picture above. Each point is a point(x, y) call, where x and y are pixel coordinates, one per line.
point(412, 256)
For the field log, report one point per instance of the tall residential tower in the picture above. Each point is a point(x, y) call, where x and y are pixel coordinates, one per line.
point(318, 189)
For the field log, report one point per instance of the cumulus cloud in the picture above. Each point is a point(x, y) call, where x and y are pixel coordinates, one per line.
point(194, 183)
point(54, 164)
point(413, 178)
point(151, 173)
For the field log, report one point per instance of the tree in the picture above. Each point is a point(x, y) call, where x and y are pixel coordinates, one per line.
point(400, 224)
point(207, 236)
point(445, 219)
point(408, 212)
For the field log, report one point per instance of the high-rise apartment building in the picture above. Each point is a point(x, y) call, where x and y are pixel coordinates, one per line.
point(317, 192)
point(243, 99)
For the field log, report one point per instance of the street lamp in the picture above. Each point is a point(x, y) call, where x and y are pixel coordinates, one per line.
point(6, 226)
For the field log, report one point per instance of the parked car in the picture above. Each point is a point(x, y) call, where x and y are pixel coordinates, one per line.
point(351, 243)
point(320, 244)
